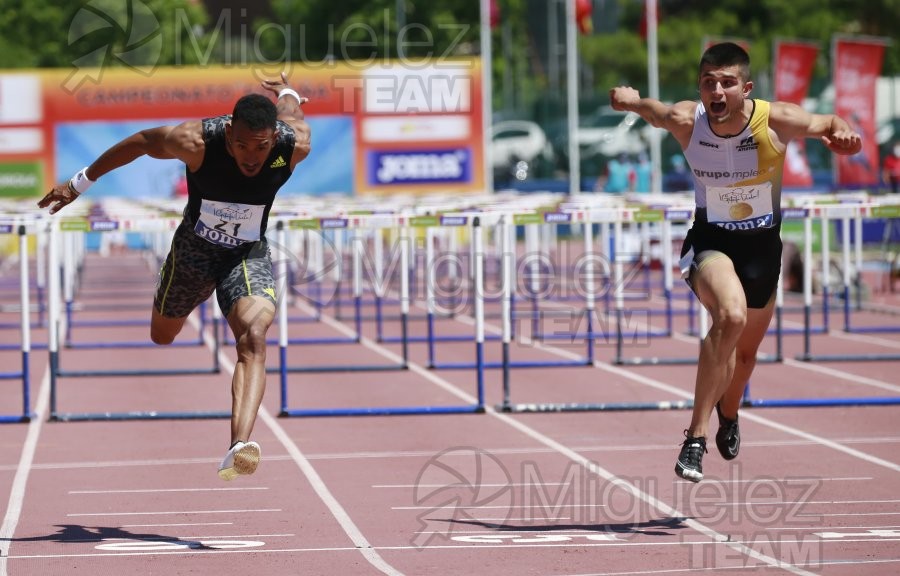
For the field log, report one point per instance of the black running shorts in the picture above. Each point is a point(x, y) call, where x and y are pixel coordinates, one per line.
point(756, 258)
point(195, 267)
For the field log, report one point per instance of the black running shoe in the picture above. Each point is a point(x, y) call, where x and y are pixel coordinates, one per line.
point(728, 438)
point(690, 461)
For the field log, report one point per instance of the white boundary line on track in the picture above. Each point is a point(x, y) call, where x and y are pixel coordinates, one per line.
point(659, 505)
point(679, 392)
point(318, 485)
point(20, 481)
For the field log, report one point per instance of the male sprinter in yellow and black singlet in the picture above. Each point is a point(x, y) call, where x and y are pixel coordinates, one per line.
point(731, 258)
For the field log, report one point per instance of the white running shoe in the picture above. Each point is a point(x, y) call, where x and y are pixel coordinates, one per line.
point(243, 458)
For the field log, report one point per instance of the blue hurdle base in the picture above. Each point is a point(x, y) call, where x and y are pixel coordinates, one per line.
point(338, 368)
point(596, 407)
point(383, 411)
point(142, 372)
point(15, 418)
point(848, 357)
point(138, 415)
point(819, 402)
point(519, 364)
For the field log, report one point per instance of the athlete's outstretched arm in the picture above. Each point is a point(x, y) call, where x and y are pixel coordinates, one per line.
point(677, 118)
point(290, 111)
point(164, 142)
point(790, 121)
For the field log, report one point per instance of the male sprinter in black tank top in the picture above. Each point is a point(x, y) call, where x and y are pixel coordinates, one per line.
point(235, 165)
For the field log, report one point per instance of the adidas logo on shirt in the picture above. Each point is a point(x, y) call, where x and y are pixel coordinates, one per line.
point(278, 163)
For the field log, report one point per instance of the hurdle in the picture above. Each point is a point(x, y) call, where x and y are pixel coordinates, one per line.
point(664, 217)
point(478, 407)
point(56, 324)
point(73, 261)
point(845, 212)
point(505, 223)
point(356, 247)
point(23, 374)
point(618, 219)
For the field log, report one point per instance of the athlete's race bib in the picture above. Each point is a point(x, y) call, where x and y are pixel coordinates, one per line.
point(740, 207)
point(229, 224)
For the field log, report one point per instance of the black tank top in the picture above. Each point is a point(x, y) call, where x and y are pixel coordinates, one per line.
point(224, 206)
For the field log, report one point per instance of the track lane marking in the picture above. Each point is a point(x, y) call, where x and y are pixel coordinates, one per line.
point(659, 505)
point(318, 485)
point(23, 469)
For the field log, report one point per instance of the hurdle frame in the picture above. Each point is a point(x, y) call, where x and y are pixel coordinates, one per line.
point(18, 226)
point(404, 224)
point(56, 318)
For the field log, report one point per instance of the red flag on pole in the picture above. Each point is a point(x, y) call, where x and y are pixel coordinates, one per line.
point(583, 15)
point(794, 63)
point(856, 64)
point(495, 13)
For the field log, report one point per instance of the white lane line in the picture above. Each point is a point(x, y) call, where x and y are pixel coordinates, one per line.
point(318, 485)
point(818, 563)
point(138, 538)
point(815, 516)
point(686, 482)
point(166, 490)
point(589, 465)
point(469, 548)
point(854, 378)
point(174, 512)
point(745, 414)
point(427, 454)
point(865, 338)
point(850, 377)
point(503, 506)
point(23, 469)
point(177, 525)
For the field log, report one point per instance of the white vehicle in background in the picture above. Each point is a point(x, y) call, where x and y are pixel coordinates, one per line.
point(514, 141)
point(610, 133)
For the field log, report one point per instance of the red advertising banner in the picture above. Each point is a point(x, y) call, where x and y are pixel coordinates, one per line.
point(856, 64)
point(794, 62)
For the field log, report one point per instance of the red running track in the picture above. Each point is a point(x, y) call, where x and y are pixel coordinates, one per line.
point(813, 492)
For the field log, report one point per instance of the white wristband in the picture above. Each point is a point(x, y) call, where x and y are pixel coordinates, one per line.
point(290, 92)
point(80, 182)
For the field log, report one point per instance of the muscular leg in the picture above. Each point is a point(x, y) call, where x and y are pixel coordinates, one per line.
point(250, 318)
point(720, 291)
point(758, 320)
point(163, 329)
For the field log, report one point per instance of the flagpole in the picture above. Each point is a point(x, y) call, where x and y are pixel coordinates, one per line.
point(572, 95)
point(653, 85)
point(486, 96)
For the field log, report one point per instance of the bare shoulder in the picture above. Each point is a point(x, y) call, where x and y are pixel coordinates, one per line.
point(683, 112)
point(680, 121)
point(185, 142)
point(790, 121)
point(187, 136)
point(781, 112)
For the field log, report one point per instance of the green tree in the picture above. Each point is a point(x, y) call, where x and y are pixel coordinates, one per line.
point(100, 33)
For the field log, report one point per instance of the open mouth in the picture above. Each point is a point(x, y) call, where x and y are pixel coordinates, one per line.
point(717, 107)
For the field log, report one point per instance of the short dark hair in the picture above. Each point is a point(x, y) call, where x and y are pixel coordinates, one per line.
point(727, 54)
point(256, 111)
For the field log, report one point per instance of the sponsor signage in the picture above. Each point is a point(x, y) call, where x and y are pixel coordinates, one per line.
point(451, 165)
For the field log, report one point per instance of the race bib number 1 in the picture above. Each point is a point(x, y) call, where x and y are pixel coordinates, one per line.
point(229, 224)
